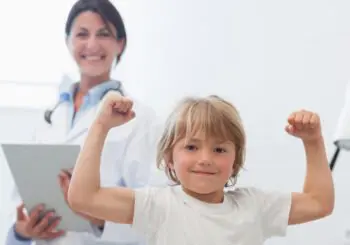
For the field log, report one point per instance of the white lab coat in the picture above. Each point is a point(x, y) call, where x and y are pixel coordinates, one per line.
point(129, 152)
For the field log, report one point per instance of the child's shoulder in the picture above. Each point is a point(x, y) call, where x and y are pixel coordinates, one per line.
point(158, 191)
point(243, 190)
point(243, 193)
point(251, 193)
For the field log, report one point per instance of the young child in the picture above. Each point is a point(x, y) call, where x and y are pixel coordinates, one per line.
point(202, 148)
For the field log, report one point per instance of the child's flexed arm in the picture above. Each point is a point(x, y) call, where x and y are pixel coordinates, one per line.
point(317, 198)
point(85, 194)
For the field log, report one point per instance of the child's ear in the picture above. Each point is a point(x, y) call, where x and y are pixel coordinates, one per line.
point(233, 170)
point(168, 161)
point(170, 165)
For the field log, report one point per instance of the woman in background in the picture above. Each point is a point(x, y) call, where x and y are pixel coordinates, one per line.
point(96, 38)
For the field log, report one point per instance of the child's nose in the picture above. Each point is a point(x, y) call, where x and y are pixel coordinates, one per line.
point(206, 157)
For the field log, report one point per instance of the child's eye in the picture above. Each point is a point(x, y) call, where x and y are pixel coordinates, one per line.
point(219, 150)
point(191, 147)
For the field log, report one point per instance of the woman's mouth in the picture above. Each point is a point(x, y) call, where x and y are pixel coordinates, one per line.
point(93, 57)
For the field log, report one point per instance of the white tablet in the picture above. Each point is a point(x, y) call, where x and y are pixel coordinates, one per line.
point(35, 169)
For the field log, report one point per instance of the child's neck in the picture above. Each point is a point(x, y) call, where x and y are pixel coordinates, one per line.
point(214, 197)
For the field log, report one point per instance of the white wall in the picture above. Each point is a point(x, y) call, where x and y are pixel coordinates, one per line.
point(267, 57)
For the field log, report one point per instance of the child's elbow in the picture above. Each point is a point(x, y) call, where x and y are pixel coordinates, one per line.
point(75, 202)
point(327, 208)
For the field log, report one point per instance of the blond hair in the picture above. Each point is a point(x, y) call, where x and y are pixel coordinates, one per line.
point(213, 116)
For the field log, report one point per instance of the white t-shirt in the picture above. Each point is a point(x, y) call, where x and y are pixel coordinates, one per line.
point(247, 216)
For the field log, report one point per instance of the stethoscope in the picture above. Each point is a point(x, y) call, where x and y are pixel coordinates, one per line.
point(65, 97)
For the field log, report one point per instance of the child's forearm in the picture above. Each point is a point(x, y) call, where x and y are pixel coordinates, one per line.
point(85, 181)
point(319, 181)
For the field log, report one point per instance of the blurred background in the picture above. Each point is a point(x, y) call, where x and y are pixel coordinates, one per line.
point(267, 57)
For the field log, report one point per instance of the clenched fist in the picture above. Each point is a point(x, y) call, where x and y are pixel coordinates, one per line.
point(304, 125)
point(115, 110)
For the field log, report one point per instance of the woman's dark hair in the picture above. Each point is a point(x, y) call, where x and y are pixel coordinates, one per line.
point(106, 10)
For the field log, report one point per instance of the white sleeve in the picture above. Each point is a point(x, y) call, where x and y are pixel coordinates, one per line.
point(274, 211)
point(9, 200)
point(151, 205)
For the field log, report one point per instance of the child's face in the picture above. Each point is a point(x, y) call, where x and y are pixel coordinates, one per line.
point(203, 166)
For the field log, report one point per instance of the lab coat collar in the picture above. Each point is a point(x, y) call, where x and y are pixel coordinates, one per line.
point(82, 125)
